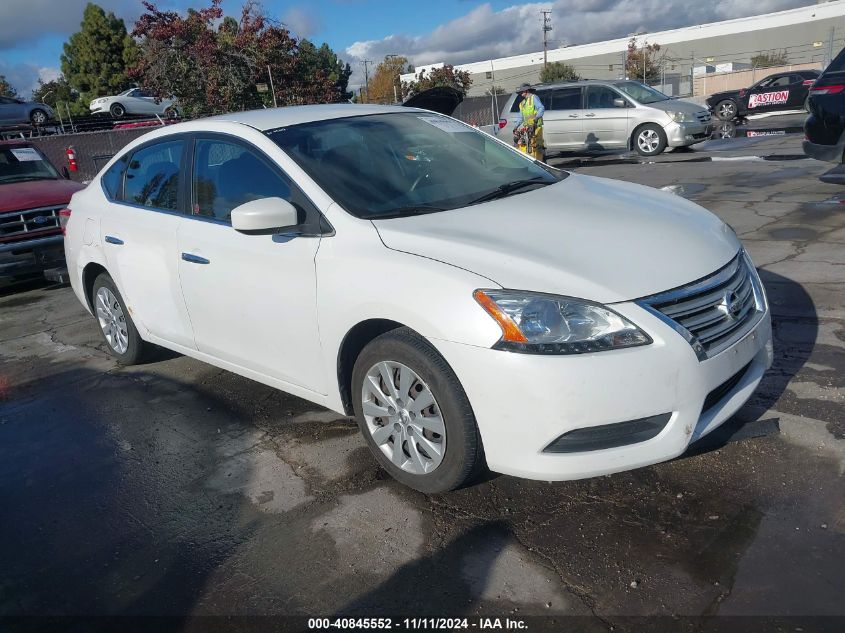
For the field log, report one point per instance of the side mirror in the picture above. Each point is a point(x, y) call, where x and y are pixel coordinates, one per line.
point(265, 216)
point(65, 172)
point(619, 103)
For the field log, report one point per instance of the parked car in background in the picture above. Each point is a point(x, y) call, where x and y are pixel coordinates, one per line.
point(18, 112)
point(468, 304)
point(824, 129)
point(781, 91)
point(132, 101)
point(596, 115)
point(32, 195)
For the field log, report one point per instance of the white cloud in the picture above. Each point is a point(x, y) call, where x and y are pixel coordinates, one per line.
point(302, 22)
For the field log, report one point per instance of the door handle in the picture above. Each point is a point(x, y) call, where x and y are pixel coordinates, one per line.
point(591, 114)
point(573, 116)
point(195, 259)
point(110, 239)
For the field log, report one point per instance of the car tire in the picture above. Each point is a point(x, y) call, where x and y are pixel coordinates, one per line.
point(117, 110)
point(171, 113)
point(417, 372)
point(726, 110)
point(38, 117)
point(649, 140)
point(116, 325)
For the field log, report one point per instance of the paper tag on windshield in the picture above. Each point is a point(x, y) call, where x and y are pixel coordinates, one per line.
point(447, 125)
point(25, 154)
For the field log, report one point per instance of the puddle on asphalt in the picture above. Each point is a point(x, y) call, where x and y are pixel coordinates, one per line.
point(793, 233)
point(685, 189)
point(728, 130)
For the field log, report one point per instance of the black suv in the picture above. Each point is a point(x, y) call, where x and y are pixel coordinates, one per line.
point(823, 130)
point(781, 91)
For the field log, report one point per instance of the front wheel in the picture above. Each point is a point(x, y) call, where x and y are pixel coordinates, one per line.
point(116, 325)
point(726, 110)
point(38, 117)
point(414, 414)
point(649, 140)
point(117, 110)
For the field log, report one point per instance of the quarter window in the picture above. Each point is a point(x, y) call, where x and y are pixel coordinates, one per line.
point(227, 175)
point(152, 176)
point(113, 178)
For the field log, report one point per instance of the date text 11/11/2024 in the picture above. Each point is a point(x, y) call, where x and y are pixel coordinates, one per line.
point(417, 624)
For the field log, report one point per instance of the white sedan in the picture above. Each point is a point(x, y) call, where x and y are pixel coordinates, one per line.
point(132, 101)
point(470, 306)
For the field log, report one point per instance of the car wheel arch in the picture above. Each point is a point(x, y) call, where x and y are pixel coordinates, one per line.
point(91, 271)
point(633, 138)
point(355, 340)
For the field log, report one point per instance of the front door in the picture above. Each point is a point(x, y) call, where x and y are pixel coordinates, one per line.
point(604, 124)
point(252, 299)
point(771, 94)
point(138, 231)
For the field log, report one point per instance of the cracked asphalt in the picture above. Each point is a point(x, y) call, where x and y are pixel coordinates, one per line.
point(175, 488)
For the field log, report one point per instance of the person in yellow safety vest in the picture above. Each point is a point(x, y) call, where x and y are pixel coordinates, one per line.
point(531, 125)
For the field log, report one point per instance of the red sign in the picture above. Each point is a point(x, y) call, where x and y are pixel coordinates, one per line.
point(768, 98)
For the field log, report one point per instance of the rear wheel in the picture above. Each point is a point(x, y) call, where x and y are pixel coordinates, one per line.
point(38, 117)
point(649, 140)
point(414, 414)
point(726, 110)
point(117, 110)
point(116, 325)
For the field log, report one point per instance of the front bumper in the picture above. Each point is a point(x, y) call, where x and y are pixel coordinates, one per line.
point(98, 108)
point(31, 258)
point(523, 403)
point(689, 133)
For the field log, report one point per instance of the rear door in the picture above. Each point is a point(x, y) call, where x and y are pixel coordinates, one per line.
point(562, 123)
point(138, 232)
point(604, 124)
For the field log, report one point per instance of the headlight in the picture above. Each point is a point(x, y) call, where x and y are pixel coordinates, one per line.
point(680, 117)
point(536, 323)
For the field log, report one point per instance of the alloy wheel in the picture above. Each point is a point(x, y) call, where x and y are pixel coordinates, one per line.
point(727, 111)
point(112, 320)
point(403, 417)
point(648, 141)
point(38, 117)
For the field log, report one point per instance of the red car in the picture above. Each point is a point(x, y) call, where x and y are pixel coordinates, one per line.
point(32, 193)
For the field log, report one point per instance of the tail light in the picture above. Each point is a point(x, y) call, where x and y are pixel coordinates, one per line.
point(827, 90)
point(809, 82)
point(503, 123)
point(64, 216)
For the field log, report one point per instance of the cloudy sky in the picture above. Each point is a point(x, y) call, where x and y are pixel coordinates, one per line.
point(454, 31)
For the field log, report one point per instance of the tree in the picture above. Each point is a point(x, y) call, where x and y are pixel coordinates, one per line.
point(443, 76)
point(59, 95)
point(643, 63)
point(384, 84)
point(765, 60)
point(6, 89)
point(558, 71)
point(95, 59)
point(213, 63)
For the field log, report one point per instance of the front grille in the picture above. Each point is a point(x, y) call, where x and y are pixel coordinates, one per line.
point(703, 116)
point(714, 312)
point(32, 223)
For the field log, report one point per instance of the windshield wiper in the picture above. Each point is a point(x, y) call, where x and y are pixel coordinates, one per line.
point(508, 188)
point(403, 212)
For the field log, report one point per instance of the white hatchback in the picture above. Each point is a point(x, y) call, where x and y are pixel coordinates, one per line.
point(469, 306)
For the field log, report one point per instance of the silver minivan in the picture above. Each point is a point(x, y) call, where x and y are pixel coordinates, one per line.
point(596, 115)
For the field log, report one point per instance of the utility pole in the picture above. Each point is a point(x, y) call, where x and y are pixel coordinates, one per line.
point(367, 76)
point(272, 88)
point(547, 26)
point(829, 48)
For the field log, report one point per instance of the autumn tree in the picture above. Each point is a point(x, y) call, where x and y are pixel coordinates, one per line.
point(773, 58)
point(95, 59)
point(643, 63)
point(214, 63)
point(444, 76)
point(6, 89)
point(384, 85)
point(558, 71)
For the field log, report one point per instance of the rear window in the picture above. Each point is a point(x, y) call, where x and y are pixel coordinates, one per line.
point(22, 163)
point(838, 64)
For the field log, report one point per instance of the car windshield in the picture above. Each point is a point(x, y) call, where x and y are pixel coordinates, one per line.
point(640, 92)
point(18, 164)
point(397, 164)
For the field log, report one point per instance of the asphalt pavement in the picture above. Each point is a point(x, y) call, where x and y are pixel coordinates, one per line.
point(175, 488)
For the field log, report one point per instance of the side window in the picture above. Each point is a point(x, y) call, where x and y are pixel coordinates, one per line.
point(600, 97)
point(781, 81)
point(566, 99)
point(113, 178)
point(766, 83)
point(545, 97)
point(152, 176)
point(227, 175)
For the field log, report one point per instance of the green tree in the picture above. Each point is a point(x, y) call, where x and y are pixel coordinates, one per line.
point(765, 60)
point(643, 63)
point(59, 95)
point(443, 76)
point(96, 58)
point(6, 89)
point(558, 71)
point(384, 84)
point(324, 60)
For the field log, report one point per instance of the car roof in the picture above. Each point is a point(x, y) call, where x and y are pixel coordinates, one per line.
point(272, 118)
point(580, 82)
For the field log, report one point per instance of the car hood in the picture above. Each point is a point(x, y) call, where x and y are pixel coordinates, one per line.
point(587, 237)
point(33, 194)
point(676, 105)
